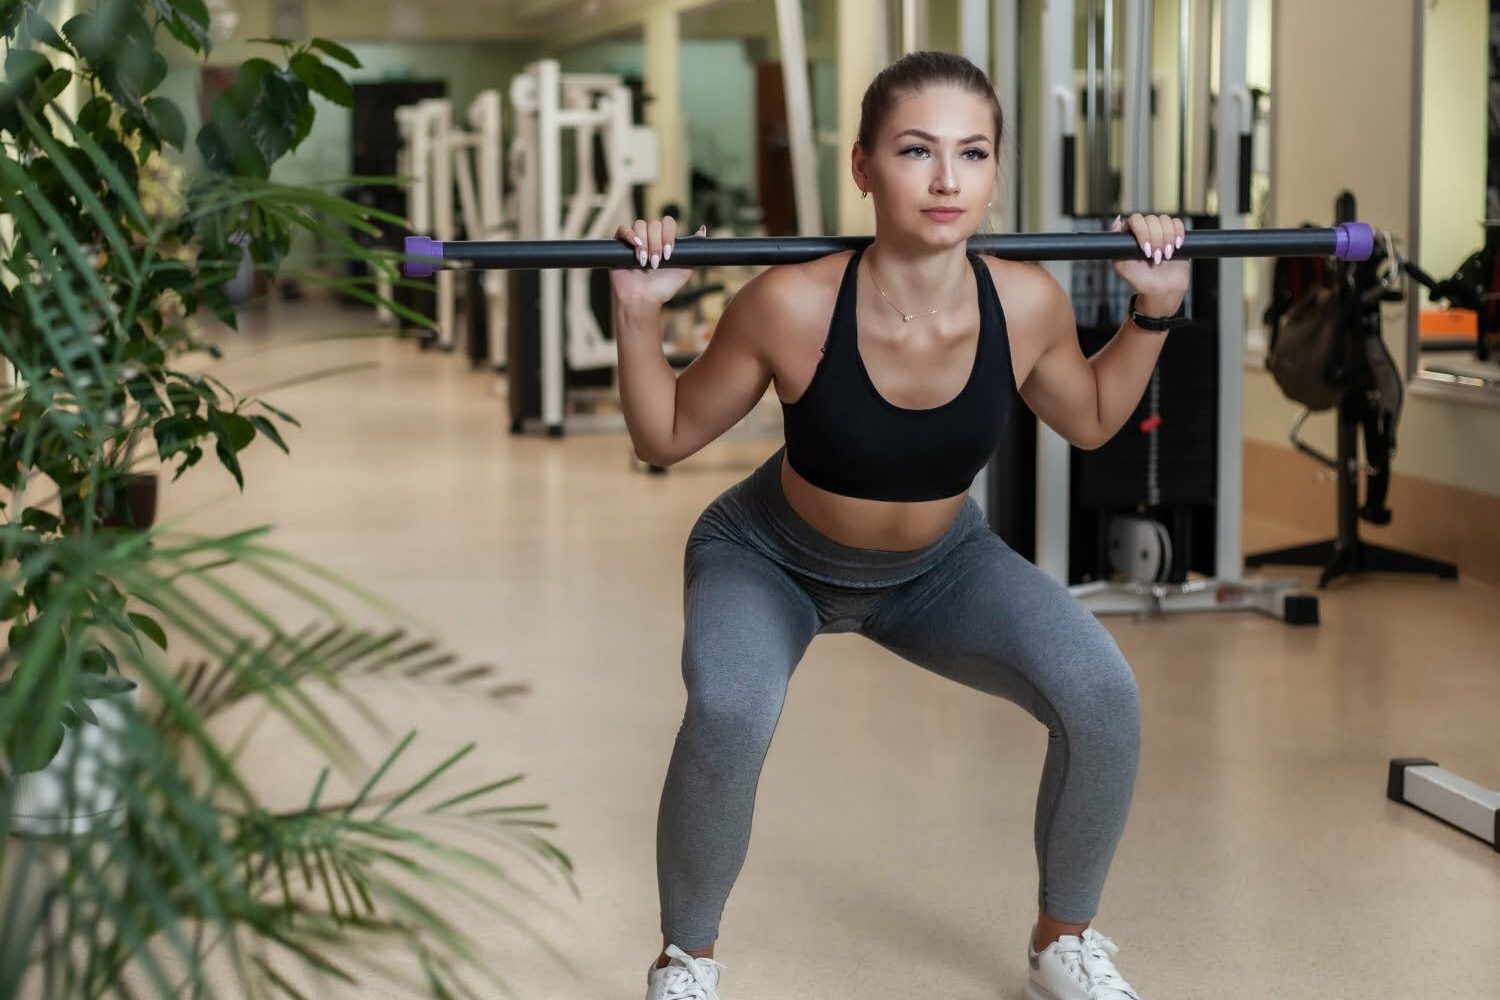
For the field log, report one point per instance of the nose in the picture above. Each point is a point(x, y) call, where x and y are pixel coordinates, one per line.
point(944, 180)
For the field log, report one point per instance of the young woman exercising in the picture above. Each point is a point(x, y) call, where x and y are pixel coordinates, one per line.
point(897, 367)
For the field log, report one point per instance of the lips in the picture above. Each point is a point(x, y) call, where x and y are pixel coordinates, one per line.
point(943, 214)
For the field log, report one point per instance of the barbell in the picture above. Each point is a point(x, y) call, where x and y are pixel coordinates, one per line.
point(1349, 241)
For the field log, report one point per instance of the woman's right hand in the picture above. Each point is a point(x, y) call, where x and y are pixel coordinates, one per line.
point(651, 283)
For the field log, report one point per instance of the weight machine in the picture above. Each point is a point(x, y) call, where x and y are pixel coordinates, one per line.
point(436, 157)
point(592, 109)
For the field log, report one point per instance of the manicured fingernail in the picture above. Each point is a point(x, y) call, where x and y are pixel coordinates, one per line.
point(1148, 249)
point(641, 256)
point(1170, 248)
point(637, 241)
point(1179, 241)
point(655, 260)
point(666, 252)
point(1158, 257)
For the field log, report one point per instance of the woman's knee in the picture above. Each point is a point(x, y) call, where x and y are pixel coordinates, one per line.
point(1103, 703)
point(742, 721)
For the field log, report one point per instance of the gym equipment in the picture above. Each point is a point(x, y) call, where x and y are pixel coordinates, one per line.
point(1422, 784)
point(1350, 241)
point(1371, 400)
point(1215, 151)
point(1474, 286)
point(436, 156)
point(560, 311)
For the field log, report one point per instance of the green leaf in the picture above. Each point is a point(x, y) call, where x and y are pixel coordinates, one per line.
point(190, 27)
point(96, 686)
point(273, 122)
point(167, 119)
point(50, 88)
point(227, 149)
point(41, 520)
point(269, 430)
point(94, 662)
point(337, 51)
point(252, 71)
point(285, 417)
point(283, 42)
point(90, 35)
point(151, 627)
point(194, 10)
point(23, 67)
point(323, 79)
point(42, 31)
point(95, 115)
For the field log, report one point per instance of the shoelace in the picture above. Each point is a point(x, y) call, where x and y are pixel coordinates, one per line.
point(1089, 963)
point(689, 982)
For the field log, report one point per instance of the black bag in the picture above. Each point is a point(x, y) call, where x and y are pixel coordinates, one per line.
point(1305, 353)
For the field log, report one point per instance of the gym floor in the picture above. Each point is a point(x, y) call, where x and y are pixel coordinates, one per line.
point(892, 848)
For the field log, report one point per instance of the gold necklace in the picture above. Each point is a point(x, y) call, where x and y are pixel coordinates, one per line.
point(905, 318)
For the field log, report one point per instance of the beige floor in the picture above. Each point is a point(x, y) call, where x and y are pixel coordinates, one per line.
point(891, 855)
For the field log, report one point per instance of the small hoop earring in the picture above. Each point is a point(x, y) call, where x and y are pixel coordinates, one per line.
point(864, 194)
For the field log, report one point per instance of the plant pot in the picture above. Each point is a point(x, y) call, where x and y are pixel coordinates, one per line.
point(135, 502)
point(41, 805)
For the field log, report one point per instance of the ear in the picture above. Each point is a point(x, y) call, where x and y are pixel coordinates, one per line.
point(859, 167)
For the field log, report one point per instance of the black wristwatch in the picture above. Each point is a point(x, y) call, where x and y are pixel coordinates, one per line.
point(1156, 324)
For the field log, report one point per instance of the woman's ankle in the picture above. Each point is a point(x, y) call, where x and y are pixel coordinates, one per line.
point(662, 960)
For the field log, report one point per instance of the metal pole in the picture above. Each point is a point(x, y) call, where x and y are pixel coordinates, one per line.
point(1107, 108)
point(913, 26)
point(1005, 73)
point(1091, 134)
point(1184, 10)
point(1136, 191)
point(1234, 28)
point(799, 116)
point(1052, 486)
point(974, 31)
point(549, 189)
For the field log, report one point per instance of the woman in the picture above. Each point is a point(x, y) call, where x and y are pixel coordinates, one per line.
point(897, 368)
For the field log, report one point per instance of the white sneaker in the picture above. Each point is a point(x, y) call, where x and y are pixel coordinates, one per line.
point(683, 977)
point(1074, 968)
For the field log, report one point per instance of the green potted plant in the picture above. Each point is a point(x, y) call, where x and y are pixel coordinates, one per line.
point(147, 852)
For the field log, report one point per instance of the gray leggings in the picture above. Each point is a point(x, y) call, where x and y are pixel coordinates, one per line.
point(760, 582)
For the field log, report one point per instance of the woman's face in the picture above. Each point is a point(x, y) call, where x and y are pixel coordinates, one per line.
point(932, 171)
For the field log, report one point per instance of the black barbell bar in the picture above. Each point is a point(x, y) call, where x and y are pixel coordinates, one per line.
point(1350, 241)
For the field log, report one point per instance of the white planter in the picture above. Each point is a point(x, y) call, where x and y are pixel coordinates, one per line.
point(41, 805)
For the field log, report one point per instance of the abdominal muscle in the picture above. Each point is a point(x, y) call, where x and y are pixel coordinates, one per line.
point(869, 524)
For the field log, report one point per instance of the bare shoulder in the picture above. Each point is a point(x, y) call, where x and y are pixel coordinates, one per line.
point(1023, 286)
point(1038, 311)
point(788, 304)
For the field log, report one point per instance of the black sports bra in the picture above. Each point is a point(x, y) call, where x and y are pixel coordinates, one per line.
point(843, 436)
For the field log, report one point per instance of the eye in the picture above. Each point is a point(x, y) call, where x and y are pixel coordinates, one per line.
point(980, 154)
point(910, 149)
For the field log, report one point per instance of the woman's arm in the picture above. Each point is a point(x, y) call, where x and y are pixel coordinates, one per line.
point(1088, 400)
point(670, 416)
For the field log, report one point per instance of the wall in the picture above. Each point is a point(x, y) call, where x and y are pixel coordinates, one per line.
point(1455, 84)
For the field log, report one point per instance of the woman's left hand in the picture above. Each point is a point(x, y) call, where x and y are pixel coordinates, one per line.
point(1161, 281)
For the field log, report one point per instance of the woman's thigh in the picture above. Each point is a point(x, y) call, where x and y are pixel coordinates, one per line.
point(988, 618)
point(747, 624)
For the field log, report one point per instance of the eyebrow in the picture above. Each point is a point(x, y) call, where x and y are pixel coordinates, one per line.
point(932, 138)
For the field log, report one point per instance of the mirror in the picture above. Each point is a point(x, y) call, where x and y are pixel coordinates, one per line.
point(1454, 331)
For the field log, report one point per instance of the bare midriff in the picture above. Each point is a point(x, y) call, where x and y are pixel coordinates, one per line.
point(869, 524)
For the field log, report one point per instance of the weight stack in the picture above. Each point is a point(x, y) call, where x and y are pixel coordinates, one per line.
point(1162, 464)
